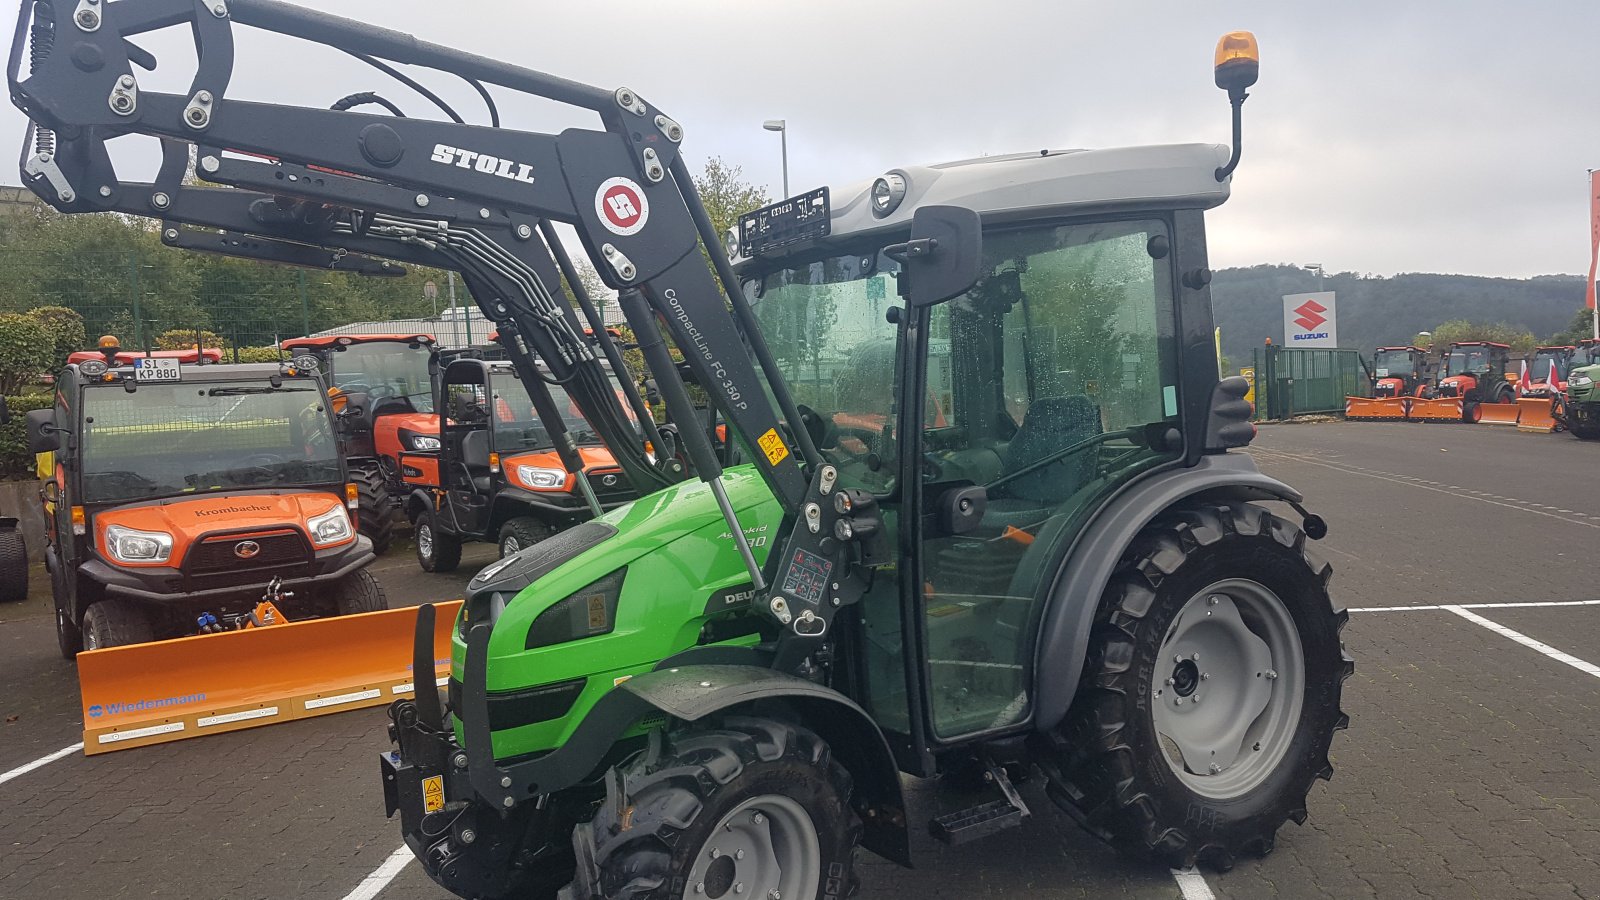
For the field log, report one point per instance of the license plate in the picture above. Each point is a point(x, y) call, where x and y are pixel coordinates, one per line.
point(157, 370)
point(793, 220)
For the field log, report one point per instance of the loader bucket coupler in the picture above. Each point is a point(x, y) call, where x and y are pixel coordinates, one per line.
point(1537, 415)
point(1443, 409)
point(170, 690)
point(1381, 409)
point(1502, 413)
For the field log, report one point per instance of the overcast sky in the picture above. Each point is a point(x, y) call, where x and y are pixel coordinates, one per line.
point(1411, 136)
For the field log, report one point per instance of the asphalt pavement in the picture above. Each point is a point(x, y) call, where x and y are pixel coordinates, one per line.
point(1469, 770)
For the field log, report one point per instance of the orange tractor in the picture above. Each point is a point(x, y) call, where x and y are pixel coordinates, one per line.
point(1398, 375)
point(1475, 384)
point(1544, 388)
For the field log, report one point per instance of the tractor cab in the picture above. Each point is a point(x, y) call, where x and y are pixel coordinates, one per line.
point(1547, 371)
point(1587, 353)
point(1476, 371)
point(1399, 371)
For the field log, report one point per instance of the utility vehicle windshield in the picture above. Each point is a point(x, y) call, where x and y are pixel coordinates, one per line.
point(1468, 361)
point(196, 437)
point(1393, 364)
point(516, 423)
point(383, 369)
point(1539, 369)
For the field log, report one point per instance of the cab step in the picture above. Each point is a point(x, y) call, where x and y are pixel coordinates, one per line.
point(963, 825)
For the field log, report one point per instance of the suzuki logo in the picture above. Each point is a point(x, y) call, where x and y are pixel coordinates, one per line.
point(246, 549)
point(1311, 315)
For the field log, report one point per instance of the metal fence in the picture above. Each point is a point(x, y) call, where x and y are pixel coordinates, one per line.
point(1291, 382)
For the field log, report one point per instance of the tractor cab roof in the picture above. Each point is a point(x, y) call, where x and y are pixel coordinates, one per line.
point(1567, 348)
point(1481, 344)
point(1406, 349)
point(345, 340)
point(126, 357)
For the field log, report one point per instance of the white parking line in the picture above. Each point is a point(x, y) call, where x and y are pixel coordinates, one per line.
point(1526, 605)
point(41, 762)
point(381, 876)
point(1526, 641)
point(1192, 884)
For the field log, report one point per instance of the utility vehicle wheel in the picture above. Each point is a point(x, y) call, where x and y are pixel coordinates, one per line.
point(752, 808)
point(13, 567)
point(522, 533)
point(116, 623)
point(376, 512)
point(359, 592)
point(437, 550)
point(1210, 693)
point(1584, 429)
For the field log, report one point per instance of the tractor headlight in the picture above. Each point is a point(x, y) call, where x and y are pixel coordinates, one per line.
point(542, 479)
point(425, 442)
point(332, 527)
point(130, 545)
point(1580, 380)
point(730, 243)
point(887, 192)
point(589, 612)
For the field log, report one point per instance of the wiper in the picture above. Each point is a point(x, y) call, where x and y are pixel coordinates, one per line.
point(241, 391)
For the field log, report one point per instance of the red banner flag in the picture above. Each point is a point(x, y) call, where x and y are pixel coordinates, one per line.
point(1594, 233)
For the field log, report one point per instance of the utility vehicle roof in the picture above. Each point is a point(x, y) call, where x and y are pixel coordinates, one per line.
point(126, 357)
point(224, 372)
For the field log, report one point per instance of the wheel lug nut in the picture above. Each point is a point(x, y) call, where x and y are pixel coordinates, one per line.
point(1195, 656)
point(1177, 701)
point(1212, 600)
point(1205, 676)
point(1170, 682)
point(1271, 674)
point(715, 853)
point(738, 888)
point(738, 854)
point(1215, 769)
point(700, 888)
point(758, 818)
point(1177, 659)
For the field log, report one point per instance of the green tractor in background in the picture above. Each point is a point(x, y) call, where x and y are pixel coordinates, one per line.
point(1580, 409)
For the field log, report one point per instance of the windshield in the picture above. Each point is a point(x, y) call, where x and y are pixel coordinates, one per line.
point(384, 369)
point(166, 439)
point(1542, 361)
point(1468, 361)
point(1587, 355)
point(517, 425)
point(1393, 364)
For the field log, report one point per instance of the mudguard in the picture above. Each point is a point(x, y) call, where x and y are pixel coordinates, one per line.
point(1082, 577)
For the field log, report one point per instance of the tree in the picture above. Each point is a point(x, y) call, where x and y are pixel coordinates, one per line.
point(66, 327)
point(726, 194)
point(27, 346)
point(1455, 331)
point(186, 338)
point(1581, 328)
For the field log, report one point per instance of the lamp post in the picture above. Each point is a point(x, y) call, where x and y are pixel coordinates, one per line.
point(782, 128)
point(1318, 268)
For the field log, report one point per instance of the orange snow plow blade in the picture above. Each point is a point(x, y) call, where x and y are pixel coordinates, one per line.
point(1501, 413)
point(1386, 409)
point(170, 690)
point(1536, 415)
point(1444, 409)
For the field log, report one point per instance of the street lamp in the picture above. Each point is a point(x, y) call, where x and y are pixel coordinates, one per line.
point(782, 128)
point(1318, 267)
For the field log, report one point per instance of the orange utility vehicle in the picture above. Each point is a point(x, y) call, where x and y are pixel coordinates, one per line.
point(1539, 406)
point(498, 476)
point(1398, 375)
point(387, 411)
point(181, 490)
point(1474, 382)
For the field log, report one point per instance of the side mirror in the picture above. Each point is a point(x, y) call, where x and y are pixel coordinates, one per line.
point(43, 435)
point(944, 256)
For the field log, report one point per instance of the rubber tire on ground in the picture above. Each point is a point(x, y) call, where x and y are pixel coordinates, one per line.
point(446, 548)
point(13, 567)
point(359, 592)
point(661, 807)
point(1584, 429)
point(116, 623)
point(1110, 770)
point(525, 530)
point(376, 512)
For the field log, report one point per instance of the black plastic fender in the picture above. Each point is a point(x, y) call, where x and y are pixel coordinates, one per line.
point(1082, 577)
point(417, 501)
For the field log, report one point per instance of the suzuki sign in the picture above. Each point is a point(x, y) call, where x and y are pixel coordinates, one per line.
point(1309, 321)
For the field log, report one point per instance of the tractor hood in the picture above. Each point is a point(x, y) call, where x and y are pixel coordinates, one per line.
point(188, 520)
point(386, 431)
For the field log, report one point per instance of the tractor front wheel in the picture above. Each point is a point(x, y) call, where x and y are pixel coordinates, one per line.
point(1583, 421)
point(376, 512)
point(1211, 690)
point(751, 808)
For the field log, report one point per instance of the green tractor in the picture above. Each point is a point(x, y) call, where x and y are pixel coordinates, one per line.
point(1580, 408)
point(977, 517)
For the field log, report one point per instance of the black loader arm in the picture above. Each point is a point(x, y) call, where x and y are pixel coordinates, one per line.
point(309, 184)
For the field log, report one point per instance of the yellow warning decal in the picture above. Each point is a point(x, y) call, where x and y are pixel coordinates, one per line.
point(773, 446)
point(433, 794)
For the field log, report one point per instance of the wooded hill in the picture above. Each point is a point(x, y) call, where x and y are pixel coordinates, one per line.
point(1377, 311)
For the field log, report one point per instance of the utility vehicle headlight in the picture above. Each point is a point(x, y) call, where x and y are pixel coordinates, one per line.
point(542, 479)
point(1579, 380)
point(130, 545)
point(887, 192)
point(425, 442)
point(332, 527)
point(589, 612)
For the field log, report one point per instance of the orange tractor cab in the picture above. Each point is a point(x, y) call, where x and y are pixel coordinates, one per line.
point(1398, 375)
point(498, 475)
point(1474, 379)
point(182, 490)
point(382, 385)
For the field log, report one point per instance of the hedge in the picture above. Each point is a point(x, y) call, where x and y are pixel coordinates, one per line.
point(15, 460)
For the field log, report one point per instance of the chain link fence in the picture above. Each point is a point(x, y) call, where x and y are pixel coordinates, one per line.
point(1292, 382)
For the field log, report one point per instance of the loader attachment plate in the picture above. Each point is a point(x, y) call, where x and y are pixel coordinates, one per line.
point(1503, 413)
point(170, 690)
point(1537, 415)
point(1381, 409)
point(1444, 409)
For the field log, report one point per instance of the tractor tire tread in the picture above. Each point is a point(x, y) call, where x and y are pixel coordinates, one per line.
point(13, 567)
point(359, 592)
point(527, 530)
point(116, 623)
point(376, 511)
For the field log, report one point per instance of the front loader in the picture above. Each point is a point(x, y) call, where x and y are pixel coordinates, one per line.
point(971, 521)
point(1398, 375)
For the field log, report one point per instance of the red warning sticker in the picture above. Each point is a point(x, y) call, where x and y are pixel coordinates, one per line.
point(621, 206)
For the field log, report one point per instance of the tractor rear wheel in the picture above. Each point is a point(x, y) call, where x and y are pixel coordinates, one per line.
point(116, 623)
point(1583, 423)
point(1211, 690)
point(751, 808)
point(437, 549)
point(377, 513)
point(359, 592)
point(13, 567)
point(521, 533)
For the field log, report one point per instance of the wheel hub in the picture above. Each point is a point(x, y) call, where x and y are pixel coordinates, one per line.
point(765, 849)
point(425, 540)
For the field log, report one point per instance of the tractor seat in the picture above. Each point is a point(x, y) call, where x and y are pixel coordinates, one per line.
point(475, 456)
point(1051, 424)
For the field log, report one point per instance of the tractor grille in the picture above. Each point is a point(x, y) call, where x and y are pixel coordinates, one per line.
point(219, 554)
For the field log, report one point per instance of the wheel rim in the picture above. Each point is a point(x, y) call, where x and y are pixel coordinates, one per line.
point(508, 546)
point(1230, 684)
point(767, 847)
point(425, 539)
